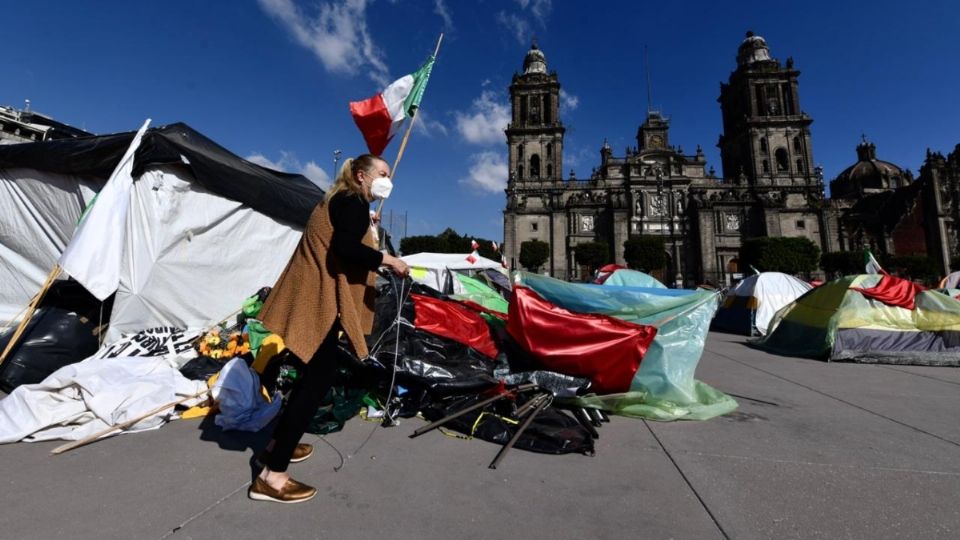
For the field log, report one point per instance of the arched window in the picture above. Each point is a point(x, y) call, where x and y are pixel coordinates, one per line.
point(549, 149)
point(534, 166)
point(797, 146)
point(519, 172)
point(549, 170)
point(733, 265)
point(782, 160)
point(763, 145)
point(766, 166)
point(799, 165)
point(519, 152)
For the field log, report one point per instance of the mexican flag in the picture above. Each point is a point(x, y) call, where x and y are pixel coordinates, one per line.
point(380, 117)
point(871, 264)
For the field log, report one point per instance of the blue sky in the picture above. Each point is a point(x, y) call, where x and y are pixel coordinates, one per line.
point(271, 79)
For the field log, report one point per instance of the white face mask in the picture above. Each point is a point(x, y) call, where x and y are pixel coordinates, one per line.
point(381, 187)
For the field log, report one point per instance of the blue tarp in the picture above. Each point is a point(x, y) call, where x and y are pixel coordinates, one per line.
point(664, 387)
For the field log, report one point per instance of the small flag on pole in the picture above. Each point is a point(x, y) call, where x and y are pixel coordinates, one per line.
point(380, 117)
point(872, 266)
point(496, 248)
point(474, 245)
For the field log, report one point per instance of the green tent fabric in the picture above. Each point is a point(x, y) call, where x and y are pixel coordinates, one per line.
point(664, 387)
point(481, 293)
point(838, 323)
point(625, 277)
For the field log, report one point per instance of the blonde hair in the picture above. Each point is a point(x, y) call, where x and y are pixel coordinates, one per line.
point(347, 177)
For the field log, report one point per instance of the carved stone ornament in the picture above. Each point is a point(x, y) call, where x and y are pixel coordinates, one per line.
point(586, 223)
point(731, 222)
point(657, 207)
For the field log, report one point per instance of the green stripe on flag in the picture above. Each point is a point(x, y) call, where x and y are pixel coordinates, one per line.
point(420, 78)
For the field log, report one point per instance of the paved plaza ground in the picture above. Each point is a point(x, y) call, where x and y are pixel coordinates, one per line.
point(816, 450)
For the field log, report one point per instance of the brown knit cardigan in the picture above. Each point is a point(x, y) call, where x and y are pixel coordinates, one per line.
point(315, 288)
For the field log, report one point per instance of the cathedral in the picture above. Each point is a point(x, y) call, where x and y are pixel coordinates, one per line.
point(770, 186)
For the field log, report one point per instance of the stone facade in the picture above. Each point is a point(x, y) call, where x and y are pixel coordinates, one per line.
point(19, 126)
point(654, 188)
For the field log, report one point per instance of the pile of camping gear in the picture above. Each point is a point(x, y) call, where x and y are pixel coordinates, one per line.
point(169, 242)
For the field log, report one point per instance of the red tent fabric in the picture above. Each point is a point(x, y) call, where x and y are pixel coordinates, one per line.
point(605, 349)
point(893, 291)
point(606, 271)
point(453, 321)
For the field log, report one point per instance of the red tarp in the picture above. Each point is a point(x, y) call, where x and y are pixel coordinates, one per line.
point(453, 321)
point(605, 349)
point(893, 291)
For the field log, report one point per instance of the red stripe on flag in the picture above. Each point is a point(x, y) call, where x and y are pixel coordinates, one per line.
point(373, 119)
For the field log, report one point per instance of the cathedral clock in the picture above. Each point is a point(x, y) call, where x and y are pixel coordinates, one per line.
point(656, 141)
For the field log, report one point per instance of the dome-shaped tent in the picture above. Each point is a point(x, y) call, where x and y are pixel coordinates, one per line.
point(749, 307)
point(869, 318)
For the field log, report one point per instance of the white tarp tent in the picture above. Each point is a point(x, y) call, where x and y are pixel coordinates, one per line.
point(205, 229)
point(433, 269)
point(751, 305)
point(38, 214)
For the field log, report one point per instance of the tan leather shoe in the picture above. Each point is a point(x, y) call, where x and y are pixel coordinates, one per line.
point(291, 493)
point(301, 453)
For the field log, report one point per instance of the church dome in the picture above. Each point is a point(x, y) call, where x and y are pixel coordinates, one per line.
point(868, 175)
point(753, 49)
point(535, 61)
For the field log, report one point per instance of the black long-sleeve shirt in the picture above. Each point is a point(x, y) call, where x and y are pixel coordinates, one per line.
point(350, 217)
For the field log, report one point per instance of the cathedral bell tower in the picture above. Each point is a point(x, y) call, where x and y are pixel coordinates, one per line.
point(766, 137)
point(535, 134)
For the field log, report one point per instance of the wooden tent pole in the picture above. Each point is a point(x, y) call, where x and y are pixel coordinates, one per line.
point(76, 444)
point(406, 136)
point(54, 274)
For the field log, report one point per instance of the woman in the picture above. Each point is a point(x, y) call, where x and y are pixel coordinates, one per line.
point(327, 287)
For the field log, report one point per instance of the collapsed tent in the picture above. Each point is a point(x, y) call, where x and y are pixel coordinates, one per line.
point(479, 292)
point(624, 277)
point(197, 216)
point(661, 385)
point(749, 307)
point(436, 270)
point(869, 318)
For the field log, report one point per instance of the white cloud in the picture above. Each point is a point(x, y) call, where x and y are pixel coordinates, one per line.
point(569, 101)
point(487, 174)
point(440, 8)
point(540, 9)
point(288, 162)
point(337, 35)
point(518, 26)
point(427, 126)
point(486, 120)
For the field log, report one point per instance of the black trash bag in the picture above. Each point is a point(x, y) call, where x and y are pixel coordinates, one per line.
point(552, 432)
point(201, 368)
point(61, 332)
point(422, 360)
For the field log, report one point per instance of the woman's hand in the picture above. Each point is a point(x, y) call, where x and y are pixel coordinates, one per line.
point(397, 266)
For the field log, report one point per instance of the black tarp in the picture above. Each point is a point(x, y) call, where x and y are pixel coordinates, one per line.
point(61, 332)
point(283, 196)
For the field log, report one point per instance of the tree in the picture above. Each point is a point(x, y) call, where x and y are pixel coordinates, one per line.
point(645, 253)
point(592, 254)
point(533, 253)
point(916, 267)
point(449, 241)
point(787, 255)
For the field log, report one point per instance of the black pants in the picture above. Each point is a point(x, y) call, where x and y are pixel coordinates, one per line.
point(303, 402)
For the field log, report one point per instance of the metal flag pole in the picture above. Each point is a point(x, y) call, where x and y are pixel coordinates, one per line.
point(406, 136)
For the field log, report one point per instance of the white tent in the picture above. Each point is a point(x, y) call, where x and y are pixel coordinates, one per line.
point(38, 214)
point(204, 230)
point(433, 269)
point(750, 305)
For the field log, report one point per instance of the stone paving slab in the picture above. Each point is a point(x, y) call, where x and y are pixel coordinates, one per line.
point(815, 450)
